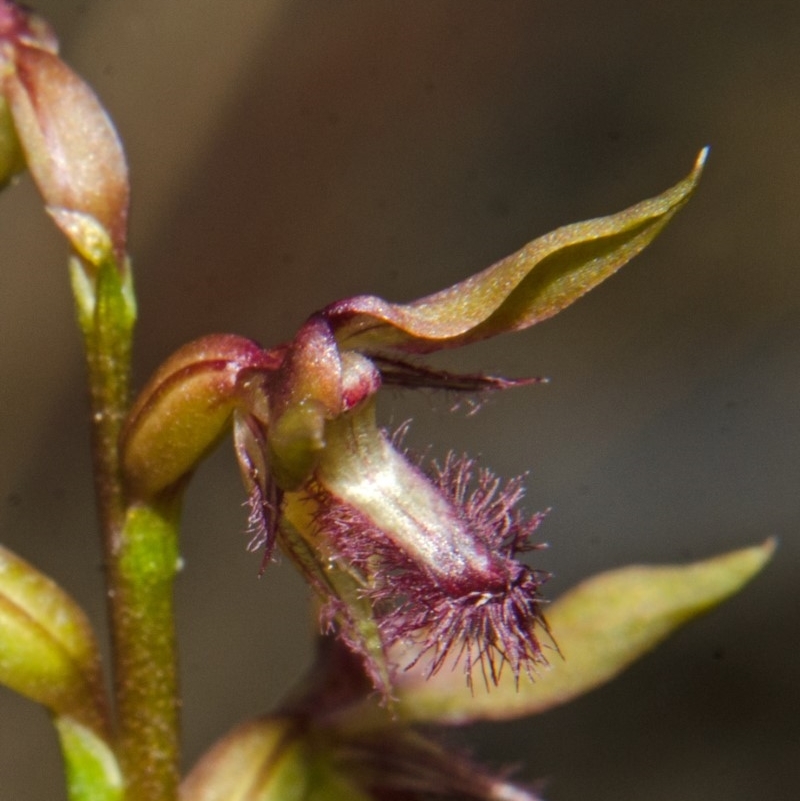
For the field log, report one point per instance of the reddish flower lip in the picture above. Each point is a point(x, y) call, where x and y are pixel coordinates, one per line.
point(446, 579)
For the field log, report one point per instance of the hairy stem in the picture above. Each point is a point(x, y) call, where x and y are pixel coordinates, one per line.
point(140, 552)
point(146, 685)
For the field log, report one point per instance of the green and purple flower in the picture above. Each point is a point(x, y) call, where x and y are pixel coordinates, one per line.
point(415, 567)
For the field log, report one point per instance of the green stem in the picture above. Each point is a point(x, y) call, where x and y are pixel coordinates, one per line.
point(146, 666)
point(140, 551)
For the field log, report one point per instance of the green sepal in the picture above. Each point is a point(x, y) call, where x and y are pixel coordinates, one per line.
point(91, 768)
point(184, 410)
point(525, 288)
point(84, 293)
point(600, 627)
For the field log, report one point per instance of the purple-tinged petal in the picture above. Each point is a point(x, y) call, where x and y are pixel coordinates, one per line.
point(310, 372)
point(304, 392)
point(315, 383)
point(521, 290)
point(409, 375)
point(18, 28)
point(20, 25)
point(263, 494)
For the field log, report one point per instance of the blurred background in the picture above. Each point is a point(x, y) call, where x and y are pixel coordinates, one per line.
point(286, 154)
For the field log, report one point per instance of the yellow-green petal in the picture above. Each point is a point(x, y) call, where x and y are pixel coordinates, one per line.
point(601, 626)
point(523, 289)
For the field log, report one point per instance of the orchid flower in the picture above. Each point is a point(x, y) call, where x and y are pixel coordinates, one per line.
point(404, 558)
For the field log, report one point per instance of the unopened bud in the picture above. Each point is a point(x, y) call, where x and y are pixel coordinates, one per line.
point(47, 650)
point(272, 759)
point(68, 141)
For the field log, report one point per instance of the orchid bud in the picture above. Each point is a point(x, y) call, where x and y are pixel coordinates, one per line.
point(68, 141)
point(47, 649)
point(299, 758)
point(21, 25)
point(273, 759)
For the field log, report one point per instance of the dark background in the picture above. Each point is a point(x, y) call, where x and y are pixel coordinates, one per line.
point(285, 154)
